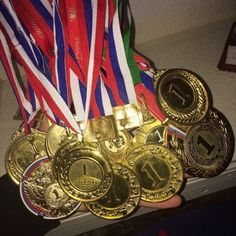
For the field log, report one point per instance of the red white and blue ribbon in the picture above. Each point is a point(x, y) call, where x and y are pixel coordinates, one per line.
point(118, 58)
point(40, 83)
point(6, 59)
point(60, 50)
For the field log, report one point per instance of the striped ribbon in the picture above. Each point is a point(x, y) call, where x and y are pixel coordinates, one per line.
point(6, 59)
point(60, 51)
point(39, 82)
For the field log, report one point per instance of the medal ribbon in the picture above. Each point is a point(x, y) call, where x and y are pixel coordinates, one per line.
point(40, 82)
point(144, 82)
point(44, 13)
point(20, 35)
point(6, 59)
point(60, 50)
point(140, 67)
point(96, 27)
point(118, 58)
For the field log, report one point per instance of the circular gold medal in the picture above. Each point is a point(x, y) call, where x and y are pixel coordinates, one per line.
point(151, 133)
point(122, 198)
point(209, 146)
point(61, 151)
point(159, 171)
point(84, 173)
point(18, 133)
point(56, 136)
point(42, 194)
point(116, 149)
point(182, 96)
point(22, 152)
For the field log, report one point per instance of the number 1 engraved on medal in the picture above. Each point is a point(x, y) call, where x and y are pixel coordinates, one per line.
point(112, 195)
point(56, 194)
point(175, 90)
point(84, 170)
point(152, 174)
point(157, 133)
point(205, 144)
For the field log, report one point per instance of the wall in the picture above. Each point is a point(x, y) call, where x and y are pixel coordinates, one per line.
point(157, 18)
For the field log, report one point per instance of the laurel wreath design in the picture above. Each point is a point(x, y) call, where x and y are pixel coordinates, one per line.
point(175, 165)
point(194, 115)
point(67, 159)
point(191, 167)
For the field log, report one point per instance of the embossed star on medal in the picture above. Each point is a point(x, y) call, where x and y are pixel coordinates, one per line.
point(22, 151)
point(182, 96)
point(159, 171)
point(41, 193)
point(123, 197)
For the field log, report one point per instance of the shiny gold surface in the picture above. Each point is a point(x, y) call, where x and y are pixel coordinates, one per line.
point(116, 149)
point(22, 151)
point(128, 116)
point(42, 194)
point(123, 197)
point(54, 138)
point(182, 96)
point(101, 129)
point(159, 171)
point(84, 173)
point(152, 133)
point(209, 145)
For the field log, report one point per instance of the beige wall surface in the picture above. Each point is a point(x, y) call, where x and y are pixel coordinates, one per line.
point(157, 18)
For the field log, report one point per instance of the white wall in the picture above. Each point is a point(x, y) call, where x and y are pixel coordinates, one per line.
point(157, 18)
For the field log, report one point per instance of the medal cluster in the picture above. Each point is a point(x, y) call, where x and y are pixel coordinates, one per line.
point(126, 157)
point(198, 132)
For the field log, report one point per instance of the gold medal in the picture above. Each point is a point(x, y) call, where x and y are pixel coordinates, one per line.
point(182, 96)
point(159, 171)
point(153, 132)
point(42, 194)
point(123, 197)
point(116, 149)
point(128, 116)
point(56, 136)
point(18, 133)
point(209, 146)
point(100, 129)
point(22, 152)
point(84, 173)
point(61, 151)
point(54, 139)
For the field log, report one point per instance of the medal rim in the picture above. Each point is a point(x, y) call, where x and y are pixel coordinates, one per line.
point(28, 203)
point(140, 150)
point(109, 210)
point(187, 117)
point(199, 170)
point(13, 171)
point(63, 173)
